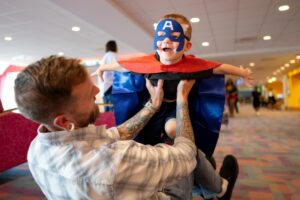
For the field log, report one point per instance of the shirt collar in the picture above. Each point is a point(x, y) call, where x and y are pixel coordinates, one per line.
point(68, 136)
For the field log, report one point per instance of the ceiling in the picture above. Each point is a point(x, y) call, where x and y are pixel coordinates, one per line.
point(234, 29)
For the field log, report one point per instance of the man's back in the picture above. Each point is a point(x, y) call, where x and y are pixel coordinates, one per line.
point(92, 163)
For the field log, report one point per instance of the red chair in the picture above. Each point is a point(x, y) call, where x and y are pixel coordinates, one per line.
point(107, 118)
point(16, 134)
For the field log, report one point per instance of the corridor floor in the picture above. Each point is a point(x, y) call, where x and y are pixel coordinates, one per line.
point(268, 151)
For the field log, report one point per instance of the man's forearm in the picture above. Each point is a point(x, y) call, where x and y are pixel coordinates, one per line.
point(131, 128)
point(183, 123)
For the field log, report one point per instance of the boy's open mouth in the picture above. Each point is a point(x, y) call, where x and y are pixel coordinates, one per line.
point(167, 49)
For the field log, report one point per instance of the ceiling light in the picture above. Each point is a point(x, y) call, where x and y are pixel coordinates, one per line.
point(195, 20)
point(287, 65)
point(292, 61)
point(60, 53)
point(282, 68)
point(205, 44)
point(273, 78)
point(251, 64)
point(75, 28)
point(267, 37)
point(297, 56)
point(283, 8)
point(7, 38)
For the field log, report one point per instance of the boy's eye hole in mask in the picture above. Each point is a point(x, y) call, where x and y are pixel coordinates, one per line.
point(175, 35)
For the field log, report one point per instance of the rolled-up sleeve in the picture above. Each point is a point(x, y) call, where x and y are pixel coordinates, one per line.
point(113, 133)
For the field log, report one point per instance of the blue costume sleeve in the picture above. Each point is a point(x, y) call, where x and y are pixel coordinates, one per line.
point(206, 102)
point(128, 94)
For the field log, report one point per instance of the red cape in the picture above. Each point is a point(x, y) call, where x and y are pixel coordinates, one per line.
point(149, 64)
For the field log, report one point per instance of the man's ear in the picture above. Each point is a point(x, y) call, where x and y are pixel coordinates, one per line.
point(188, 46)
point(62, 122)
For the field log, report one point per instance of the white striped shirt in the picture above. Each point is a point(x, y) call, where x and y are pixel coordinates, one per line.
point(94, 163)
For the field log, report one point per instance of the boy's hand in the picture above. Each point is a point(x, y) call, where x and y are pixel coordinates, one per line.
point(98, 72)
point(156, 93)
point(183, 89)
point(247, 76)
point(115, 66)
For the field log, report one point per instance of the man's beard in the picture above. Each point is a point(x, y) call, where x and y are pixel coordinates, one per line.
point(91, 119)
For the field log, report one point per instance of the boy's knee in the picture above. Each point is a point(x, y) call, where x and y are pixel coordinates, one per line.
point(170, 128)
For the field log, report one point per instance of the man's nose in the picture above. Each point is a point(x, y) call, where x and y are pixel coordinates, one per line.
point(97, 90)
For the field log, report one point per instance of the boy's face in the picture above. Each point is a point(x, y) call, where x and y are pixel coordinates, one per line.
point(170, 41)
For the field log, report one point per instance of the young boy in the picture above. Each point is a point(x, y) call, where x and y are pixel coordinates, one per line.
point(172, 40)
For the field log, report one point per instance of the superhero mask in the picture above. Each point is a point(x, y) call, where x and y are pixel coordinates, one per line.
point(168, 26)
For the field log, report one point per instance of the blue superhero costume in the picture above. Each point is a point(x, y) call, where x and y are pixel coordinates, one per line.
point(206, 100)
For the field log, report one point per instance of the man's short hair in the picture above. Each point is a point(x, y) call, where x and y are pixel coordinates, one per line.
point(181, 20)
point(44, 88)
point(111, 46)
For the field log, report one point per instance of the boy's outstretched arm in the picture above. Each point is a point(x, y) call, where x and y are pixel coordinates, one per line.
point(116, 67)
point(245, 73)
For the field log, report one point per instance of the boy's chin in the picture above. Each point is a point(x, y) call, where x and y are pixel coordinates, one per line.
point(167, 61)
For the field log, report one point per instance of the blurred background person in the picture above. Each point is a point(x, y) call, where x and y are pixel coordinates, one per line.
point(236, 102)
point(108, 76)
point(256, 100)
point(271, 100)
point(231, 96)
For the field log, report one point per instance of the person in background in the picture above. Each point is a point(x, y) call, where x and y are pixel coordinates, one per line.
point(256, 100)
point(271, 99)
point(108, 76)
point(236, 103)
point(231, 96)
point(72, 159)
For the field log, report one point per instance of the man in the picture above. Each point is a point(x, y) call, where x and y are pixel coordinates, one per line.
point(70, 159)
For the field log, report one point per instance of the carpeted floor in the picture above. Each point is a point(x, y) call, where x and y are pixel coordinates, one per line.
point(267, 148)
point(18, 184)
point(268, 151)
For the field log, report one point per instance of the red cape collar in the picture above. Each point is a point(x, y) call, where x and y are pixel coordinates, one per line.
point(149, 64)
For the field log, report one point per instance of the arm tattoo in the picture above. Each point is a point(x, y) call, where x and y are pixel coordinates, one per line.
point(183, 122)
point(129, 129)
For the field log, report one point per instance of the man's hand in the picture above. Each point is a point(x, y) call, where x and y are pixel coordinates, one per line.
point(183, 89)
point(156, 93)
